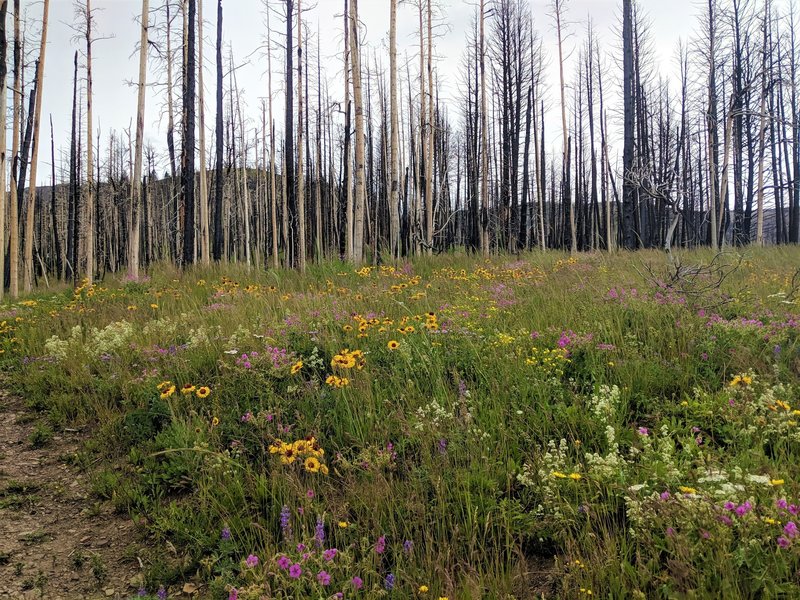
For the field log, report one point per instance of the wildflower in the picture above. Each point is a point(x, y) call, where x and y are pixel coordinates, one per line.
point(141, 593)
point(791, 530)
point(187, 388)
point(558, 475)
point(163, 385)
point(393, 345)
point(665, 495)
point(319, 531)
point(687, 490)
point(288, 456)
point(643, 431)
point(777, 482)
point(575, 476)
point(423, 589)
point(309, 493)
point(330, 554)
point(283, 562)
point(743, 509)
point(783, 542)
point(203, 392)
point(357, 582)
point(312, 466)
point(251, 561)
point(407, 546)
point(670, 532)
point(380, 546)
point(388, 583)
point(166, 393)
point(226, 533)
point(295, 571)
point(323, 578)
point(343, 524)
point(247, 417)
point(729, 505)
point(297, 366)
point(215, 421)
point(286, 526)
point(234, 594)
point(781, 503)
point(161, 593)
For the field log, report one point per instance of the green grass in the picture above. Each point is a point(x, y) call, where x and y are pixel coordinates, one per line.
point(559, 427)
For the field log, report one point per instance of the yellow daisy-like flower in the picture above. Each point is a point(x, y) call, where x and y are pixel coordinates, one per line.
point(575, 476)
point(166, 393)
point(275, 447)
point(163, 384)
point(188, 389)
point(558, 475)
point(343, 524)
point(154, 306)
point(312, 465)
point(297, 366)
point(393, 345)
point(288, 457)
point(215, 421)
point(423, 589)
point(687, 490)
point(323, 469)
point(777, 482)
point(203, 392)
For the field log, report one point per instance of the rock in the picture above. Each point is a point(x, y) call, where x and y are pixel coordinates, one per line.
point(109, 592)
point(189, 588)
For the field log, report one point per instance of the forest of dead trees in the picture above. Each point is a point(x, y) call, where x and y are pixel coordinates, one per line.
point(373, 165)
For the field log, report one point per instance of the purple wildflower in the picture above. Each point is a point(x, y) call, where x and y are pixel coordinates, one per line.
point(141, 593)
point(407, 546)
point(301, 547)
point(357, 582)
point(295, 571)
point(729, 505)
point(251, 561)
point(283, 562)
point(226, 533)
point(286, 525)
point(783, 542)
point(319, 531)
point(234, 594)
point(161, 593)
point(782, 504)
point(388, 583)
point(670, 532)
point(309, 493)
point(643, 431)
point(790, 529)
point(323, 578)
point(380, 546)
point(330, 554)
point(665, 495)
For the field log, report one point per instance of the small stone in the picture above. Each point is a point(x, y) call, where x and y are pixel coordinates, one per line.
point(109, 592)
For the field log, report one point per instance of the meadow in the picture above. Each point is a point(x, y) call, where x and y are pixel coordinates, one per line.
point(454, 427)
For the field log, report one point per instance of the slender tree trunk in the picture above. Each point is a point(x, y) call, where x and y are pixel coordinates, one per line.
point(301, 190)
point(16, 99)
point(484, 218)
point(31, 204)
point(394, 160)
point(219, 249)
point(205, 255)
point(136, 182)
point(273, 200)
point(189, 139)
point(360, 195)
point(3, 107)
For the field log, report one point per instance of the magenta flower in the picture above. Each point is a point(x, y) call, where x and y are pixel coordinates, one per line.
point(380, 546)
point(782, 504)
point(665, 495)
point(251, 561)
point(743, 509)
point(295, 571)
point(330, 554)
point(790, 529)
point(234, 594)
point(357, 582)
point(783, 542)
point(644, 431)
point(729, 505)
point(323, 578)
point(309, 494)
point(301, 547)
point(283, 562)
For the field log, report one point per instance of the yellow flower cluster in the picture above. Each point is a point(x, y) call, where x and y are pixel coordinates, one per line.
point(167, 388)
point(347, 359)
point(337, 382)
point(573, 476)
point(549, 362)
point(307, 451)
point(741, 381)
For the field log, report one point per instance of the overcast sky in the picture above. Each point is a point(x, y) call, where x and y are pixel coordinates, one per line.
point(116, 60)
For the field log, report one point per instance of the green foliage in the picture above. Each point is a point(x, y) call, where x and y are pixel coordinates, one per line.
point(542, 426)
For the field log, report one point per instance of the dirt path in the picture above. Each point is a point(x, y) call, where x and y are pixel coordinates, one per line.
point(56, 542)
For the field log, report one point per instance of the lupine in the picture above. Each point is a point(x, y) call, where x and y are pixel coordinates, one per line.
point(286, 525)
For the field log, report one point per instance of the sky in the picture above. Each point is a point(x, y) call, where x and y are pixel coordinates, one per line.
point(115, 55)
